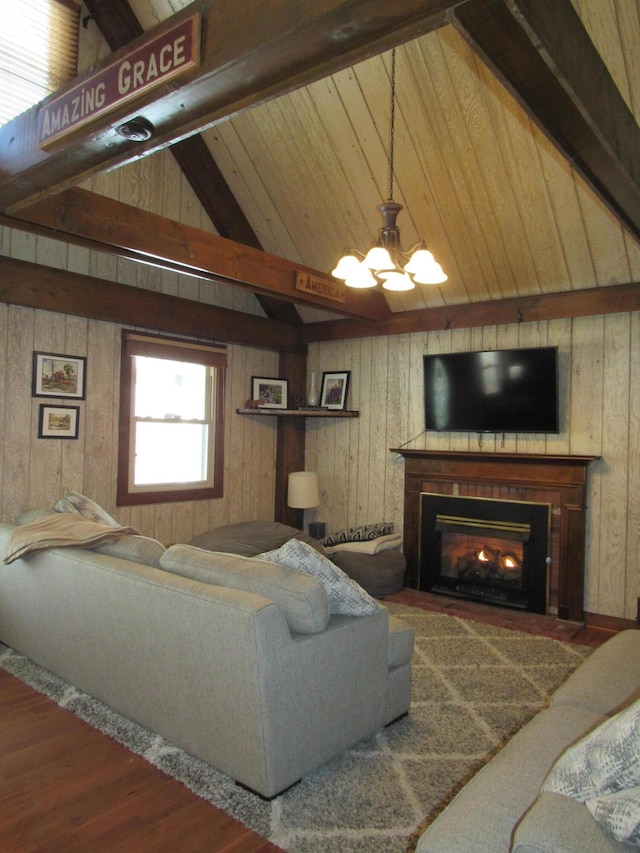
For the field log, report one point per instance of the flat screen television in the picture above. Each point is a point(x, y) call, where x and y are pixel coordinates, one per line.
point(510, 390)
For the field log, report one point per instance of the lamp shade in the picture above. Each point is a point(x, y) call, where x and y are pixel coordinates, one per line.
point(303, 490)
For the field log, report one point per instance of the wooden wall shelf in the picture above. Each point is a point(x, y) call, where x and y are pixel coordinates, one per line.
point(301, 413)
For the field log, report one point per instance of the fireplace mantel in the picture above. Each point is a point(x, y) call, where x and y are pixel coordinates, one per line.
point(556, 480)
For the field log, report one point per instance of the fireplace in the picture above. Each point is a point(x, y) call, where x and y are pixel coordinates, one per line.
point(556, 482)
point(486, 550)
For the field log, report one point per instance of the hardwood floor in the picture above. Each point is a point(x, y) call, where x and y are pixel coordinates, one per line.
point(66, 787)
point(517, 620)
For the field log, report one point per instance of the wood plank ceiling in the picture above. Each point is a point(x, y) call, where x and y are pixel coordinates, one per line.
point(299, 170)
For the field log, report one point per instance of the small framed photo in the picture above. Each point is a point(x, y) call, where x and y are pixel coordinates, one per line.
point(270, 393)
point(58, 421)
point(334, 389)
point(58, 375)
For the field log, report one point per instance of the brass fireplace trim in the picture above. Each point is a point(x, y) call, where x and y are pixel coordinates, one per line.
point(513, 530)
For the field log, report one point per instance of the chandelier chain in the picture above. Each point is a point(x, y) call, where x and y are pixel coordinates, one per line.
point(393, 122)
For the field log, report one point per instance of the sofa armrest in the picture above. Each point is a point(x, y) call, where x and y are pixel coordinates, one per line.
point(559, 824)
point(608, 679)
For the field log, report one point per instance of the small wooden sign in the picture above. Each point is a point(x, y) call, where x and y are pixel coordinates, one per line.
point(324, 287)
point(150, 65)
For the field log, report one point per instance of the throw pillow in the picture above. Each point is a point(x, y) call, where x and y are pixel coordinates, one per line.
point(358, 534)
point(603, 762)
point(619, 813)
point(346, 597)
point(75, 502)
point(137, 549)
point(302, 600)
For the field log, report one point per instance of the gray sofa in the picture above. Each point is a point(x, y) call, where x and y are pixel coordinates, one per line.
point(249, 672)
point(503, 809)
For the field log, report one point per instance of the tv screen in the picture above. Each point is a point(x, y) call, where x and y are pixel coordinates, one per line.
point(512, 390)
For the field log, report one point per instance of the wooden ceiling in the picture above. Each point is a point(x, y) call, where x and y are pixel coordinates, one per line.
point(517, 150)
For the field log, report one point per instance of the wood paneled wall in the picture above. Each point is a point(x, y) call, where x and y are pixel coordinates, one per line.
point(34, 472)
point(361, 482)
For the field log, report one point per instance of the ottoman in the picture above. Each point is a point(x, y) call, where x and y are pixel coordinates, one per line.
point(379, 574)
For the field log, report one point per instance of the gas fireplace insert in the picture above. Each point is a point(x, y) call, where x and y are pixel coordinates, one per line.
point(496, 551)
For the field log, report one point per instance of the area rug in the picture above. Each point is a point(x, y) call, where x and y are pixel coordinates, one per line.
point(474, 685)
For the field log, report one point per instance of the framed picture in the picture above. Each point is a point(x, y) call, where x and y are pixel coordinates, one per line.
point(270, 393)
point(58, 375)
point(58, 421)
point(334, 389)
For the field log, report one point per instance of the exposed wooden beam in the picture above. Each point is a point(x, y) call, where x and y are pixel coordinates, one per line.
point(247, 57)
point(112, 226)
point(543, 54)
point(116, 21)
point(119, 25)
point(613, 299)
point(49, 289)
point(220, 205)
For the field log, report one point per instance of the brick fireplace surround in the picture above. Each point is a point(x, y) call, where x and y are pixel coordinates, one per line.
point(556, 480)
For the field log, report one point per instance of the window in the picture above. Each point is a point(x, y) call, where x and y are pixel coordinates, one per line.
point(38, 51)
point(171, 420)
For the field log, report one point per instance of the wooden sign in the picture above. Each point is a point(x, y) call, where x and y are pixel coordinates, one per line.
point(151, 64)
point(324, 287)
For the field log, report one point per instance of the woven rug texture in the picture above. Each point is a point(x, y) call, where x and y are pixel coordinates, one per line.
point(474, 685)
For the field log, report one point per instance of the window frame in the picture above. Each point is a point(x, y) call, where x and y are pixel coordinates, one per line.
point(176, 349)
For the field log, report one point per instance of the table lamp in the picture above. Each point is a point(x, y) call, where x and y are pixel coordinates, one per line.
point(303, 493)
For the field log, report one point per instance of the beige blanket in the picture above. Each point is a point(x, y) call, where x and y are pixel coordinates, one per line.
point(58, 529)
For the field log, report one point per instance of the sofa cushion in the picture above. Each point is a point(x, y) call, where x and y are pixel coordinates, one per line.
point(138, 549)
point(558, 824)
point(346, 597)
point(604, 761)
point(301, 599)
point(251, 538)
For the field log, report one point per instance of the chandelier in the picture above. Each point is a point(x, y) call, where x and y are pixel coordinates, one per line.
point(386, 263)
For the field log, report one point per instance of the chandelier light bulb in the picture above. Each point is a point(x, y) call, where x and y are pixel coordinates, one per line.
point(433, 275)
point(347, 266)
point(361, 278)
point(421, 261)
point(378, 258)
point(396, 281)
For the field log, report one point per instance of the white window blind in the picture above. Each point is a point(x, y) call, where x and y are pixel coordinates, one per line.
point(38, 51)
